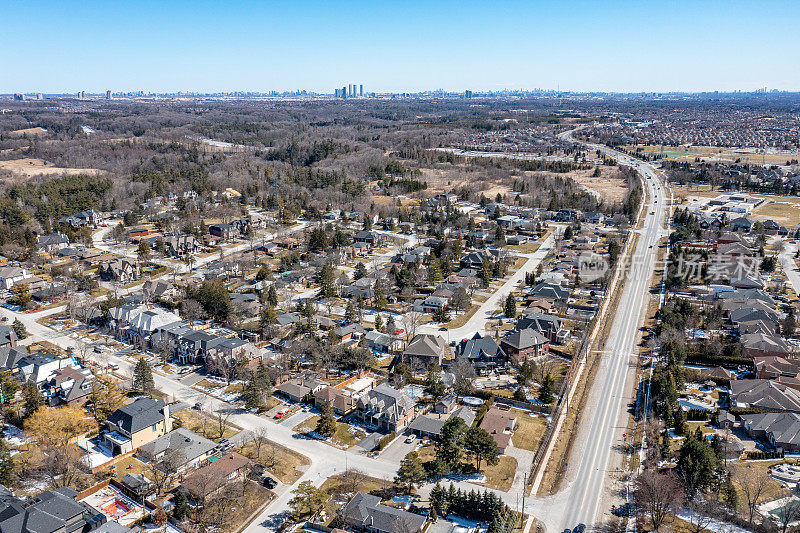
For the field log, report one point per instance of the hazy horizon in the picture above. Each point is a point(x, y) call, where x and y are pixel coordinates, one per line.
point(627, 47)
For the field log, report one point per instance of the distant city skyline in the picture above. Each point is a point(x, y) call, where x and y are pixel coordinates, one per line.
point(619, 46)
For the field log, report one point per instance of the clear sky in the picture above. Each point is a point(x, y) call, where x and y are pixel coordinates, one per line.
point(199, 45)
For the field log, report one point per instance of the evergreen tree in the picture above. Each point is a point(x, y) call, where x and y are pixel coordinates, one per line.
point(546, 390)
point(433, 383)
point(411, 472)
point(326, 425)
point(391, 327)
point(32, 399)
point(19, 329)
point(378, 323)
point(510, 307)
point(326, 277)
point(143, 377)
point(272, 296)
point(7, 466)
point(360, 271)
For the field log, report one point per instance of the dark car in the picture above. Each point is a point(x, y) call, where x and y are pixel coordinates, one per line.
point(269, 482)
point(580, 528)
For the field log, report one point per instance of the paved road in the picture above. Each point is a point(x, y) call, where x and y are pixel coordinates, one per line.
point(586, 491)
point(477, 322)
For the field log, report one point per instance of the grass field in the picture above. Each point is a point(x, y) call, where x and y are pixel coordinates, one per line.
point(205, 426)
point(745, 155)
point(281, 462)
point(341, 437)
point(529, 431)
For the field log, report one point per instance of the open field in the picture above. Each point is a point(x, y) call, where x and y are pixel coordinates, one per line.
point(608, 185)
point(31, 132)
point(29, 167)
point(713, 153)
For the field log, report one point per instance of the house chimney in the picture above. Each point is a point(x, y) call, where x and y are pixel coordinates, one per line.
point(167, 418)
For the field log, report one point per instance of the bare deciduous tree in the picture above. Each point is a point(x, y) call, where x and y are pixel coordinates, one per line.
point(658, 495)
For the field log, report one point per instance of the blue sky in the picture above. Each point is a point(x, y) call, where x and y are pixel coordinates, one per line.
point(412, 45)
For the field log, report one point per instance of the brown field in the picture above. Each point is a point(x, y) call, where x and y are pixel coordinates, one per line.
point(608, 185)
point(29, 167)
point(29, 131)
point(713, 153)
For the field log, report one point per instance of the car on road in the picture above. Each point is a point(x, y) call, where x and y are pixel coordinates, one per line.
point(97, 348)
point(113, 366)
point(198, 406)
point(4, 319)
point(580, 528)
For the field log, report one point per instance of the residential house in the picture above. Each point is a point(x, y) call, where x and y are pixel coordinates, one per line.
point(225, 232)
point(12, 275)
point(500, 424)
point(70, 386)
point(526, 343)
point(122, 269)
point(8, 338)
point(550, 326)
point(89, 217)
point(213, 477)
point(382, 342)
point(483, 353)
point(425, 349)
point(430, 425)
point(343, 402)
point(550, 290)
point(386, 408)
point(365, 513)
point(300, 387)
point(134, 425)
point(764, 394)
point(780, 430)
point(372, 238)
point(52, 243)
point(180, 448)
point(761, 344)
point(51, 511)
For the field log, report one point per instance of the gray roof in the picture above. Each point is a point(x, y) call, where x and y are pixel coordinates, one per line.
point(366, 511)
point(138, 415)
point(521, 339)
point(783, 429)
point(426, 345)
point(50, 512)
point(179, 446)
point(764, 394)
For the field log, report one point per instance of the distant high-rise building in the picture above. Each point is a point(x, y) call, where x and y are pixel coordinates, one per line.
point(19, 97)
point(467, 94)
point(344, 92)
point(39, 96)
point(361, 90)
point(82, 95)
point(108, 95)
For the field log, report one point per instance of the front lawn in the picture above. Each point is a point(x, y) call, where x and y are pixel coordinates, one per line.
point(341, 437)
point(281, 462)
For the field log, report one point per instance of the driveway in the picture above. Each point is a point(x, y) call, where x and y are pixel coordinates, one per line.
point(398, 449)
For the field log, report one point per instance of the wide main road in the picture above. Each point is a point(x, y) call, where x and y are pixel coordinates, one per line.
point(601, 422)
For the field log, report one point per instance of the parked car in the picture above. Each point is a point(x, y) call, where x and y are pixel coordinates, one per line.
point(269, 482)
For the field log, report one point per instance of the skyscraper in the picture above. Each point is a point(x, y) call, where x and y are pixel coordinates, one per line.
point(108, 95)
point(361, 90)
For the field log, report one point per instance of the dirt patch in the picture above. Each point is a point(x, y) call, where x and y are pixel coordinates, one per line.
point(29, 167)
